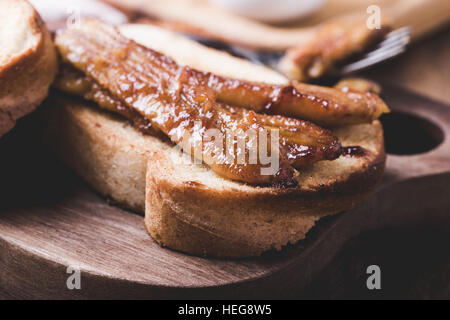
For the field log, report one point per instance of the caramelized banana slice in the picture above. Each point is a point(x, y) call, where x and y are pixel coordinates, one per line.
point(303, 142)
point(75, 82)
point(322, 105)
point(180, 104)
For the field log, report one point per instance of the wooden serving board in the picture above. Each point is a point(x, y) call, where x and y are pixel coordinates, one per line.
point(50, 220)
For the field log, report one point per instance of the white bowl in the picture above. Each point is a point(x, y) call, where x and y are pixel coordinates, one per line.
point(272, 10)
point(52, 10)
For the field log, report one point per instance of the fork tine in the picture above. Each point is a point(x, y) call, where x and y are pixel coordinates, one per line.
point(370, 61)
point(401, 30)
point(394, 36)
point(394, 44)
point(401, 42)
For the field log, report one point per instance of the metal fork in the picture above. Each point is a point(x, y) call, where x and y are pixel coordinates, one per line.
point(394, 44)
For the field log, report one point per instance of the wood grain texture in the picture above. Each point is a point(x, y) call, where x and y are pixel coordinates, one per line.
point(49, 220)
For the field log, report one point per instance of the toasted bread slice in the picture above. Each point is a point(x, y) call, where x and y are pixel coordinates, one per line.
point(190, 208)
point(28, 61)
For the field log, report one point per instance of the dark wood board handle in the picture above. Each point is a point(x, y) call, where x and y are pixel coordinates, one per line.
point(49, 220)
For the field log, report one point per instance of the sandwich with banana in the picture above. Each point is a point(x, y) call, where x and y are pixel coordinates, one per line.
point(224, 158)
